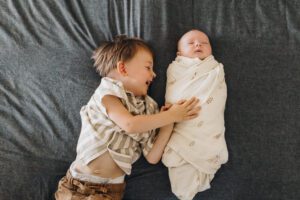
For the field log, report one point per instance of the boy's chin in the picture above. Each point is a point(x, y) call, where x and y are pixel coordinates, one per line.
point(140, 94)
point(143, 94)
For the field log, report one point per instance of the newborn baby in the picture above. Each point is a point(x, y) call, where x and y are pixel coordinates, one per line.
point(197, 147)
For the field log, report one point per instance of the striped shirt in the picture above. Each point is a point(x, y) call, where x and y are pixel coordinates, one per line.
point(100, 134)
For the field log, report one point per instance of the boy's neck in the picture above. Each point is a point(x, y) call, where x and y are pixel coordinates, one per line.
point(113, 74)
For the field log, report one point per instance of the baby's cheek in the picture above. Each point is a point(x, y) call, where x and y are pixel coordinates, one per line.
point(209, 50)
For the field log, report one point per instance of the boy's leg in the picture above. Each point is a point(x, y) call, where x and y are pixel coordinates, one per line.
point(73, 189)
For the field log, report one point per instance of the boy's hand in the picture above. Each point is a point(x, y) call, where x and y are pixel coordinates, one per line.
point(166, 107)
point(185, 109)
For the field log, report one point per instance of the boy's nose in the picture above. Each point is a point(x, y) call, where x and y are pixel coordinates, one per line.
point(153, 74)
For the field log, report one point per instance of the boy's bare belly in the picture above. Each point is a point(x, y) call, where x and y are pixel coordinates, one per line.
point(103, 166)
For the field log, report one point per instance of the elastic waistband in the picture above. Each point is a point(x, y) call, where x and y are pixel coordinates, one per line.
point(95, 179)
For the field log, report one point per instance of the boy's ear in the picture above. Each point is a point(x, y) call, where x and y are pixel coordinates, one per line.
point(178, 53)
point(121, 68)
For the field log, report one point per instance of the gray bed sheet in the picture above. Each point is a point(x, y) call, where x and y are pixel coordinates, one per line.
point(46, 75)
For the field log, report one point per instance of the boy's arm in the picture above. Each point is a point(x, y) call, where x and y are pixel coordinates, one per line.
point(141, 123)
point(159, 145)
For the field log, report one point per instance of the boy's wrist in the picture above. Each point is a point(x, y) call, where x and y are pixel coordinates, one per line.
point(171, 115)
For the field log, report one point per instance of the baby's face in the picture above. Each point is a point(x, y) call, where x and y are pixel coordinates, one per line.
point(194, 44)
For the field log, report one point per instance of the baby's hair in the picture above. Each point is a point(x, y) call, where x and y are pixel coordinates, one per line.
point(122, 48)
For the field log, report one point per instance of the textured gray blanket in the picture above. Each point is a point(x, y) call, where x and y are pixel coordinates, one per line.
point(46, 76)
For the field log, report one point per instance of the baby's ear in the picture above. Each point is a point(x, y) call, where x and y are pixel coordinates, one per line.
point(178, 53)
point(121, 68)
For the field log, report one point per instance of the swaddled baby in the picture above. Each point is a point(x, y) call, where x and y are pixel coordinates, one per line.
point(197, 147)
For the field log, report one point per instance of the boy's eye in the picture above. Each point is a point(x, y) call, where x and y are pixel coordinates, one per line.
point(149, 68)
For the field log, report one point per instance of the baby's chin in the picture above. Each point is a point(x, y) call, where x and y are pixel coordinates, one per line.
point(201, 56)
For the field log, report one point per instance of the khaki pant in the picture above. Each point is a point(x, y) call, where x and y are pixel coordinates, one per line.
point(73, 189)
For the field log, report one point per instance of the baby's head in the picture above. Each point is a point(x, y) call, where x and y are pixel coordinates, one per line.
point(194, 44)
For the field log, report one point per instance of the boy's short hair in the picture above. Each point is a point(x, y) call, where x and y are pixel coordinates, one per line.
point(122, 48)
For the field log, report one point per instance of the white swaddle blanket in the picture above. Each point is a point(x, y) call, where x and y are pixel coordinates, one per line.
point(199, 143)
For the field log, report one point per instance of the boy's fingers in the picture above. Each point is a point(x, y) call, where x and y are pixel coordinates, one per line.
point(190, 104)
point(181, 101)
point(191, 101)
point(187, 103)
point(168, 104)
point(164, 108)
point(194, 103)
point(194, 111)
point(191, 116)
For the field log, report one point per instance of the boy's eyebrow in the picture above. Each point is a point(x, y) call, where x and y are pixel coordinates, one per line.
point(150, 62)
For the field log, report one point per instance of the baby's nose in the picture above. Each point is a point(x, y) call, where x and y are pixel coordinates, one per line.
point(197, 43)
